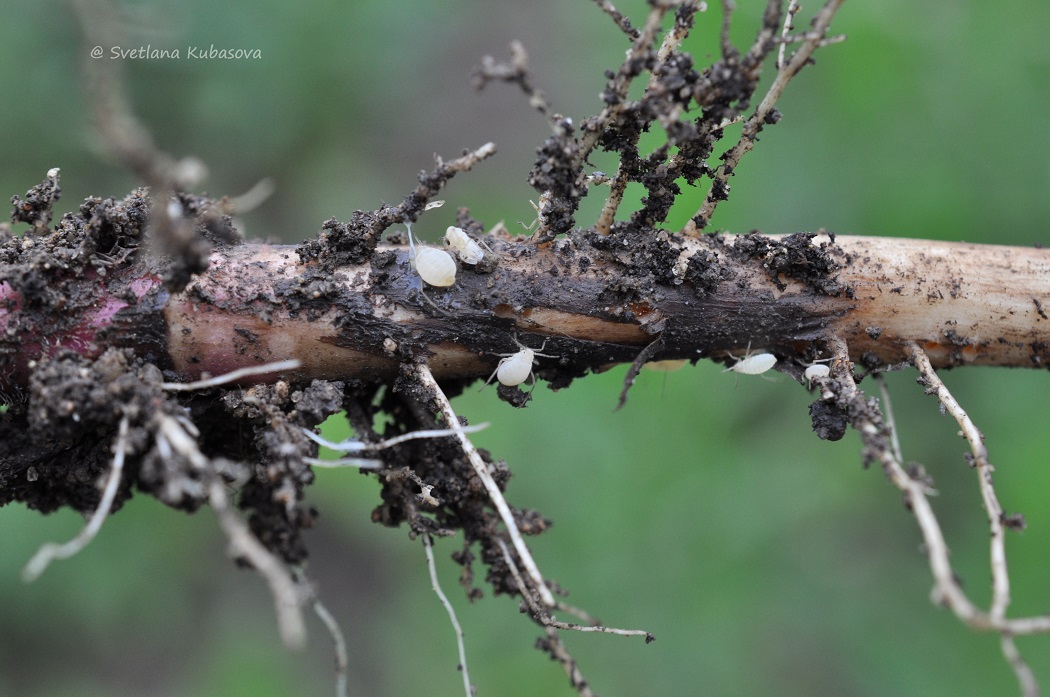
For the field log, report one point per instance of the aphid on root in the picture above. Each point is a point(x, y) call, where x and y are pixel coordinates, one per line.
point(515, 368)
point(752, 364)
point(435, 266)
point(816, 371)
point(471, 251)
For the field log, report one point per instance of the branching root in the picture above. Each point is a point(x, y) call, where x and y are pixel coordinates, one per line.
point(878, 433)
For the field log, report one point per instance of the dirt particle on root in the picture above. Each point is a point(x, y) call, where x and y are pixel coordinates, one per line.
point(829, 419)
point(1014, 521)
point(36, 207)
point(513, 396)
point(704, 272)
point(794, 257)
point(341, 244)
point(531, 521)
point(64, 433)
point(870, 360)
point(102, 233)
point(560, 177)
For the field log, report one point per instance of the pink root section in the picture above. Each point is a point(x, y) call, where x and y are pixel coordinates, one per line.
point(82, 329)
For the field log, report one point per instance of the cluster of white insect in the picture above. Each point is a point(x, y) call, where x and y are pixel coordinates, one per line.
point(758, 363)
point(435, 266)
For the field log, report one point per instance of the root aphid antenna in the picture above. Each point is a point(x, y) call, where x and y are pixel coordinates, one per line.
point(752, 364)
point(435, 266)
point(515, 368)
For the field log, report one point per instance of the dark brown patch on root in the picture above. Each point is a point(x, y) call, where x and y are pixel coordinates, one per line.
point(794, 257)
point(704, 272)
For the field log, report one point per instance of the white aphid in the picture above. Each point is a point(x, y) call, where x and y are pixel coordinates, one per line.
point(817, 371)
point(470, 252)
point(435, 266)
point(515, 368)
point(753, 364)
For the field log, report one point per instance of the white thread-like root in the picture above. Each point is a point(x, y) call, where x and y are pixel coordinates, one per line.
point(1025, 677)
point(557, 651)
point(353, 446)
point(250, 199)
point(342, 657)
point(997, 552)
point(339, 641)
point(360, 463)
point(548, 620)
point(555, 647)
point(287, 594)
point(426, 378)
point(231, 376)
point(887, 413)
point(436, 585)
point(1000, 575)
point(946, 590)
point(789, 24)
point(50, 551)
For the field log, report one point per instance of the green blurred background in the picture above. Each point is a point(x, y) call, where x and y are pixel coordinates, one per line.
point(764, 560)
